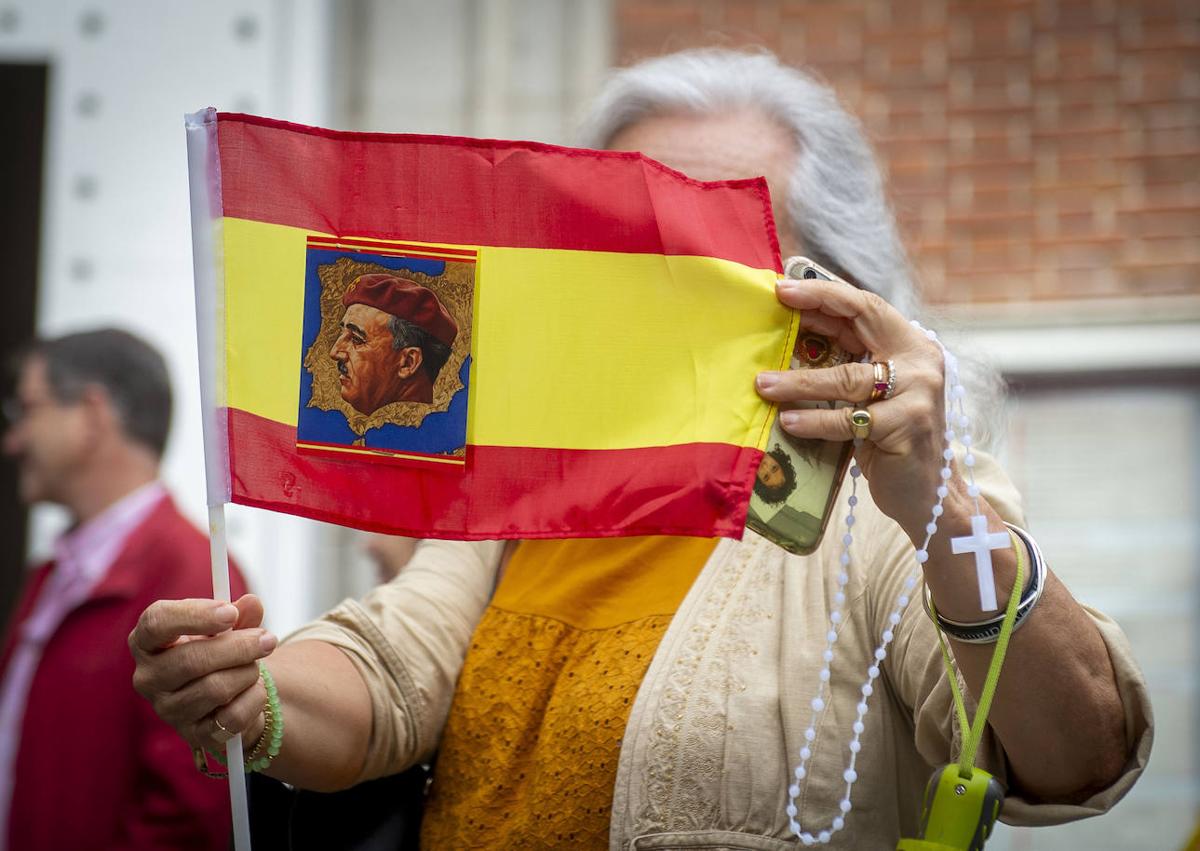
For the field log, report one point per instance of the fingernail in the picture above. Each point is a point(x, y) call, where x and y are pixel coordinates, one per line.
point(767, 380)
point(267, 642)
point(226, 613)
point(786, 284)
point(789, 418)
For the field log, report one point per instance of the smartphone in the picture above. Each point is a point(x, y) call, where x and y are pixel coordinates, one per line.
point(798, 480)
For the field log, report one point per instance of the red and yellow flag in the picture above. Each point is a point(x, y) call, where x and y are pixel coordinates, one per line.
point(605, 317)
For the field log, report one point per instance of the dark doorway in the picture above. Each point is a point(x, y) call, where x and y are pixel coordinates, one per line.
point(21, 151)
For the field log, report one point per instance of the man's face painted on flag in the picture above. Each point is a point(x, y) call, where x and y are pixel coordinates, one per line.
point(378, 364)
point(372, 372)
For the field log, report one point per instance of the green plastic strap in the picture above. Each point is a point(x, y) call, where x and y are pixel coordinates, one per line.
point(974, 731)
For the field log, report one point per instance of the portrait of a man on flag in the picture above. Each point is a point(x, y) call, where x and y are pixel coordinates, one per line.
point(386, 352)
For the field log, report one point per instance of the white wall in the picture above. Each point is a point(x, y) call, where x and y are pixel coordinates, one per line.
point(512, 69)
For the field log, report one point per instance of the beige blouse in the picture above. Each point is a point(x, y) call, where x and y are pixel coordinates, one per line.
point(719, 719)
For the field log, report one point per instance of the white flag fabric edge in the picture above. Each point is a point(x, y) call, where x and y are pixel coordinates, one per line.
point(204, 182)
point(204, 178)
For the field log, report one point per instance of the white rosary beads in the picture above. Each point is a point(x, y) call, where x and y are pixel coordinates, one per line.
point(955, 414)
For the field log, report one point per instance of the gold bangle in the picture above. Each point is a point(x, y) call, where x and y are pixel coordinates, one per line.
point(265, 736)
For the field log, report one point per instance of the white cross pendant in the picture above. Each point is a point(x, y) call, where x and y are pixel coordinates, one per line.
point(981, 542)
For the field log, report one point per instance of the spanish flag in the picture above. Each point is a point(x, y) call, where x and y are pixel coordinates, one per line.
point(462, 338)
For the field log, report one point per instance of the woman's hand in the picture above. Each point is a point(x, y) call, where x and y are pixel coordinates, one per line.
point(902, 456)
point(197, 665)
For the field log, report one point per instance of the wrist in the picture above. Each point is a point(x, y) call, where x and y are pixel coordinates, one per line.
point(254, 732)
point(956, 510)
point(952, 577)
point(1027, 590)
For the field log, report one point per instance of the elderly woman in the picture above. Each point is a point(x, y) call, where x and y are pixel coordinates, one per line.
point(657, 692)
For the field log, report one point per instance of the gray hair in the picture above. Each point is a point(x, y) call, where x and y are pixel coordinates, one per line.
point(434, 353)
point(835, 200)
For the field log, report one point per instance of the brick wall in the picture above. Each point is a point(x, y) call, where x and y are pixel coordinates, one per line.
point(1036, 149)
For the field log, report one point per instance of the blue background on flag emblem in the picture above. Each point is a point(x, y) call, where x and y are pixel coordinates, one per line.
point(440, 433)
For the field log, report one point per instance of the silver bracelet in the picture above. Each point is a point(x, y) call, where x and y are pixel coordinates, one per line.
point(986, 632)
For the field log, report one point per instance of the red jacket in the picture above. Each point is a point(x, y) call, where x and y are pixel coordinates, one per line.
point(97, 769)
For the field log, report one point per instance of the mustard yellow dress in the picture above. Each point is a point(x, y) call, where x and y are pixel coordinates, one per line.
point(529, 755)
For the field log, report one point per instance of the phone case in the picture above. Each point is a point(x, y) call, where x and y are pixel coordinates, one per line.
point(798, 480)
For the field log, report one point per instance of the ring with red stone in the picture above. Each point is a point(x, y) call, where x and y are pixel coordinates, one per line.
point(879, 381)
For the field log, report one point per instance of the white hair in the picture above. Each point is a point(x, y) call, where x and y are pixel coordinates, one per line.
point(838, 212)
point(835, 198)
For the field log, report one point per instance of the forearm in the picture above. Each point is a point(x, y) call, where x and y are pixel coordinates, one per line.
point(327, 717)
point(367, 687)
point(1056, 711)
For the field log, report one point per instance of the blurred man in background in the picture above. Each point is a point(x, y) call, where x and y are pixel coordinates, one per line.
point(84, 763)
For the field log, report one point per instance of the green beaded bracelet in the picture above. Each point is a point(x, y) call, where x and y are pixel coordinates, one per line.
point(270, 739)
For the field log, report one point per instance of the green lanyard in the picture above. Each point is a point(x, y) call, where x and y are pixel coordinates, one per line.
point(966, 759)
point(961, 801)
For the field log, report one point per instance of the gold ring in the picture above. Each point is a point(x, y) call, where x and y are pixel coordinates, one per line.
point(879, 381)
point(883, 380)
point(860, 423)
point(228, 734)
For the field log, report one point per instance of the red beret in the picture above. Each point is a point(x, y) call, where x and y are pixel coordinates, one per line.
point(406, 299)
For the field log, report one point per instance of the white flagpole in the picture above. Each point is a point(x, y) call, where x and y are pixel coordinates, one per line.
point(233, 748)
point(204, 179)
